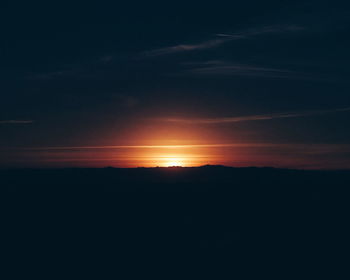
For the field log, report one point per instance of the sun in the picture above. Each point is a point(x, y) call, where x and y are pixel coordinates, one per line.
point(174, 161)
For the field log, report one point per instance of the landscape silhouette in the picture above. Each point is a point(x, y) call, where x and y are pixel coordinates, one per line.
point(175, 140)
point(194, 217)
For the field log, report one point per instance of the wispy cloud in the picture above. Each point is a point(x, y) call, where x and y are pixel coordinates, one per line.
point(268, 29)
point(117, 147)
point(222, 38)
point(216, 67)
point(16, 121)
point(85, 69)
point(54, 74)
point(324, 147)
point(255, 117)
point(187, 47)
point(96, 67)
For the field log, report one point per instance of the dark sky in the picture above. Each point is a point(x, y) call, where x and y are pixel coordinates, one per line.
point(269, 73)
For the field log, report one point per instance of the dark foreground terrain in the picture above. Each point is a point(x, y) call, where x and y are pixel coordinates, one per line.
point(176, 223)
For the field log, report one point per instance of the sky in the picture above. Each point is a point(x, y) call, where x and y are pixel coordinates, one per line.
point(238, 83)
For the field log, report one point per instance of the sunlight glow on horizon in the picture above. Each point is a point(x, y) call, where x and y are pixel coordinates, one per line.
point(295, 155)
point(175, 161)
point(170, 160)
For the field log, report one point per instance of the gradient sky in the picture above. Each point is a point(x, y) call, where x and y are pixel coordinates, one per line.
point(263, 83)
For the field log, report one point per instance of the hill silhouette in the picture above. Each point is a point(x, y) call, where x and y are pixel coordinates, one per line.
point(196, 219)
point(213, 178)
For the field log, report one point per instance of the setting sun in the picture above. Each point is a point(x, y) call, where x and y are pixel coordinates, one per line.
point(173, 161)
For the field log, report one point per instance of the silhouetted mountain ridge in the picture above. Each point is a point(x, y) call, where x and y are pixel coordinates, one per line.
point(203, 178)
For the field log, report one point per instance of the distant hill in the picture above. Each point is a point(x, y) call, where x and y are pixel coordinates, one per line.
point(204, 178)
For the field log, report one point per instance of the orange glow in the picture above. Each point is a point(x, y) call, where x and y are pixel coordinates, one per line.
point(159, 158)
point(171, 161)
point(235, 154)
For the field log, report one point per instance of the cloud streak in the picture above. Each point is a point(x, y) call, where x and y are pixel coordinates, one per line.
point(16, 121)
point(269, 29)
point(188, 146)
point(256, 117)
point(187, 47)
point(217, 67)
point(222, 38)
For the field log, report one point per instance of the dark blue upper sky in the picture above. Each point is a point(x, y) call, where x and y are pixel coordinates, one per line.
point(101, 73)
